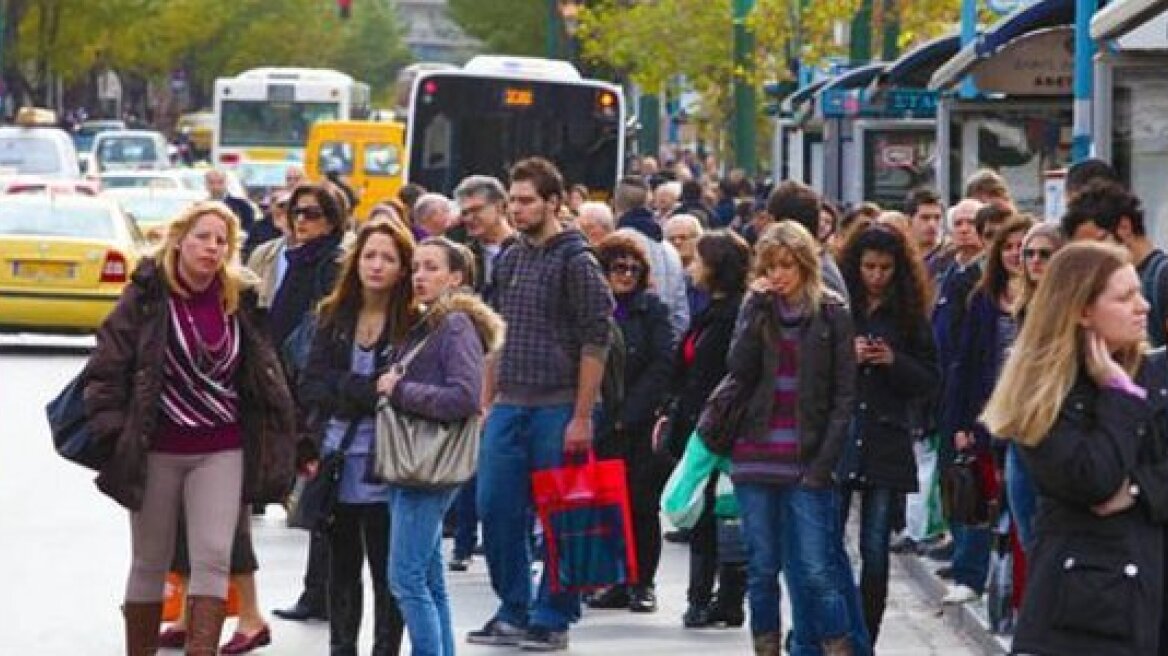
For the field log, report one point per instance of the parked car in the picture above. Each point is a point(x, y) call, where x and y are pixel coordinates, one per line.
point(84, 134)
point(35, 147)
point(65, 260)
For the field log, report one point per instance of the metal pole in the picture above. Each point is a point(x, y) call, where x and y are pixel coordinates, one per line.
point(968, 36)
point(745, 104)
point(553, 29)
point(1084, 55)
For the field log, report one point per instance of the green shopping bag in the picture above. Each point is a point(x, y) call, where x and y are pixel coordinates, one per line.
point(683, 499)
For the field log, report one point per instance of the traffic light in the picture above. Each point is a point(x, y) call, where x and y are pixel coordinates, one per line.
point(345, 6)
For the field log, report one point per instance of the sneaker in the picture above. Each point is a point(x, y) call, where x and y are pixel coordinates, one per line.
point(496, 632)
point(960, 594)
point(540, 638)
point(459, 564)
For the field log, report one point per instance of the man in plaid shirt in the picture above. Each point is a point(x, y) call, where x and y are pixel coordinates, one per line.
point(542, 391)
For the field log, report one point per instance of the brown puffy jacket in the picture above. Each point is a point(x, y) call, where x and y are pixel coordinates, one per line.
point(123, 385)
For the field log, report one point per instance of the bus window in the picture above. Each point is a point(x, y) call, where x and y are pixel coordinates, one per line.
point(382, 159)
point(336, 157)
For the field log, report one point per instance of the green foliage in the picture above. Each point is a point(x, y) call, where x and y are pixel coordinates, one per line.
point(209, 37)
point(506, 27)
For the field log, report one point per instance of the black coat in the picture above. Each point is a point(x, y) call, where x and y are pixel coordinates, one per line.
point(329, 388)
point(1095, 585)
point(712, 329)
point(888, 402)
point(649, 340)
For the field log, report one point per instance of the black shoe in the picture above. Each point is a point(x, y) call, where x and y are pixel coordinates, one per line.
point(642, 599)
point(616, 597)
point(497, 632)
point(905, 545)
point(303, 610)
point(680, 536)
point(733, 617)
point(697, 616)
point(945, 572)
point(458, 564)
point(539, 638)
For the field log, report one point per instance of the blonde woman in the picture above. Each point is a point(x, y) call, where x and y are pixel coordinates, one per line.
point(186, 387)
point(794, 353)
point(1093, 440)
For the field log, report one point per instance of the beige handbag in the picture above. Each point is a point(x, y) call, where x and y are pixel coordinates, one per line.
point(415, 451)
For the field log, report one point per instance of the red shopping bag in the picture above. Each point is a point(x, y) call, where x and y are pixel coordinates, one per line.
point(587, 523)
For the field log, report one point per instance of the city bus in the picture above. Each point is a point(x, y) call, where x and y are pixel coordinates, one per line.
point(264, 114)
point(484, 117)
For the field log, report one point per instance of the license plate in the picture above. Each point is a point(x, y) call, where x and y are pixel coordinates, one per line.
point(43, 270)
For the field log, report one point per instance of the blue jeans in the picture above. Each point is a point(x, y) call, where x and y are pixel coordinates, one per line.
point(415, 566)
point(466, 515)
point(877, 505)
point(796, 530)
point(1021, 496)
point(518, 440)
point(971, 555)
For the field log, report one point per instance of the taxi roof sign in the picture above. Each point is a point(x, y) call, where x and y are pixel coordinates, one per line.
point(36, 117)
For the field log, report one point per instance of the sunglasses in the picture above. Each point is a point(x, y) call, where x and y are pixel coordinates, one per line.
point(621, 269)
point(1043, 254)
point(309, 213)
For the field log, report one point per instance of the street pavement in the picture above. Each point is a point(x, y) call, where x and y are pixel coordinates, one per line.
point(64, 555)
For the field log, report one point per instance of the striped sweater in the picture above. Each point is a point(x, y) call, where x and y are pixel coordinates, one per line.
point(775, 460)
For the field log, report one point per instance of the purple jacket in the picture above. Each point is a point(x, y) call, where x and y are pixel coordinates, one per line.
point(445, 380)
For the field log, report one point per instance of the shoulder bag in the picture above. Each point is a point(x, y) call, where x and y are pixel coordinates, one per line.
point(415, 451)
point(316, 504)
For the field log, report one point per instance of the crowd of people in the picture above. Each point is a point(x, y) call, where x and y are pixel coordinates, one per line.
point(974, 381)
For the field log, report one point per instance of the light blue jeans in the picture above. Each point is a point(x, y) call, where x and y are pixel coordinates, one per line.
point(415, 566)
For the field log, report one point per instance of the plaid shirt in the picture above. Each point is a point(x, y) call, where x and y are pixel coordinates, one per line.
point(556, 303)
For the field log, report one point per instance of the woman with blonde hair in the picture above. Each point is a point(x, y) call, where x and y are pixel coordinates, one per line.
point(185, 386)
point(794, 359)
point(1087, 407)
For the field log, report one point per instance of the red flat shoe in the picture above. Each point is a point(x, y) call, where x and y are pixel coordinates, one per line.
point(241, 643)
point(172, 637)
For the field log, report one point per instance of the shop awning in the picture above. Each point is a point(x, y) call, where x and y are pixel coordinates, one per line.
point(915, 67)
point(855, 78)
point(1122, 16)
point(800, 96)
point(1041, 14)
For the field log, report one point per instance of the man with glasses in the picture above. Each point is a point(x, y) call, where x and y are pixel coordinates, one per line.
point(1104, 210)
point(682, 231)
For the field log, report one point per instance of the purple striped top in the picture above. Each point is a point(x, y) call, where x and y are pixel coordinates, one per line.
point(774, 460)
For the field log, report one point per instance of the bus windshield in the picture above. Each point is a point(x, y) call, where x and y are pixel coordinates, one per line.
point(464, 125)
point(265, 123)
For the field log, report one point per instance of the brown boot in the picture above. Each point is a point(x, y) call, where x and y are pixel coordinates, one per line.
point(204, 624)
point(837, 647)
point(142, 619)
point(768, 644)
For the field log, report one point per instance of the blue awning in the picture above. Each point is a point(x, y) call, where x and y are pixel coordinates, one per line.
point(800, 96)
point(1041, 14)
point(855, 78)
point(914, 67)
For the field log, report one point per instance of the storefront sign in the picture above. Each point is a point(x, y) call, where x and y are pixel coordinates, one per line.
point(890, 103)
point(1039, 64)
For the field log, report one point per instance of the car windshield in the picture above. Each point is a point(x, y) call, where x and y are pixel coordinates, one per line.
point(28, 155)
point(25, 219)
point(127, 150)
point(151, 211)
point(138, 181)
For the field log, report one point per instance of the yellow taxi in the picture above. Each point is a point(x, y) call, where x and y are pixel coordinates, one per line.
point(64, 260)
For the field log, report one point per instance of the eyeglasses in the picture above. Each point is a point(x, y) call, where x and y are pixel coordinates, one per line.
point(309, 213)
point(1043, 254)
point(622, 269)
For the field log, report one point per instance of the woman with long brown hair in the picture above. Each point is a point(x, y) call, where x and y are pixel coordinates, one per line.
point(185, 385)
point(366, 315)
point(1086, 405)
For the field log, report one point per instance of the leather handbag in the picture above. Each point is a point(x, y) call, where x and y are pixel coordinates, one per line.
point(67, 424)
point(315, 507)
point(722, 418)
point(963, 492)
point(416, 451)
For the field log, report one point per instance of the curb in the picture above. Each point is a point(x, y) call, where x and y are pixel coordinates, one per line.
point(964, 618)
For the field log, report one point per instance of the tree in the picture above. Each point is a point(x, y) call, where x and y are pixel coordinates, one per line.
point(506, 27)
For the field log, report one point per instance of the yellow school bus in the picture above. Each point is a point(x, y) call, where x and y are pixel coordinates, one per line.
point(368, 155)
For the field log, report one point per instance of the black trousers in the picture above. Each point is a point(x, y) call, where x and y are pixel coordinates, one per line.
point(361, 533)
point(647, 475)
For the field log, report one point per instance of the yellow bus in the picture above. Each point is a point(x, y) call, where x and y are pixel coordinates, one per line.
point(367, 155)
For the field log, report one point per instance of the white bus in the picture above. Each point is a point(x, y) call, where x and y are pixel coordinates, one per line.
point(264, 114)
point(484, 117)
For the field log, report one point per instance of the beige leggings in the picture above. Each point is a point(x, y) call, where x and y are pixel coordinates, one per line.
point(208, 487)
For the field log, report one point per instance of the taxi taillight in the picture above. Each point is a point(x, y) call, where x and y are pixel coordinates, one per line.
point(115, 268)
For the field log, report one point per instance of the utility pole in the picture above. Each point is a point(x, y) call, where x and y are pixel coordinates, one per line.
point(1083, 87)
point(745, 104)
point(553, 29)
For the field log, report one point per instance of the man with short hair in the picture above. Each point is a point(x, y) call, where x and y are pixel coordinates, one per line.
point(989, 187)
point(216, 182)
point(694, 204)
point(683, 231)
point(433, 215)
point(667, 278)
point(665, 198)
point(595, 220)
point(927, 217)
point(1084, 171)
point(542, 389)
point(294, 176)
point(1104, 210)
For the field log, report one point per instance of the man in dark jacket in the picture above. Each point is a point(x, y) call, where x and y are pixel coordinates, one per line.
point(216, 182)
point(543, 391)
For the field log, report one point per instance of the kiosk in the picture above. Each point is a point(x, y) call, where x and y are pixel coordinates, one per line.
point(1130, 106)
point(836, 105)
point(797, 149)
point(1018, 122)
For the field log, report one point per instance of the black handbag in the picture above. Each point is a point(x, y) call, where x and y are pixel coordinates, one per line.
point(315, 508)
point(962, 496)
point(67, 423)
